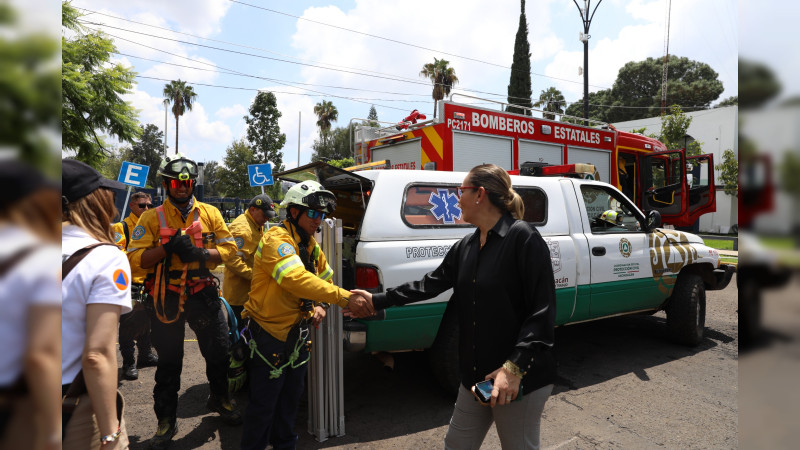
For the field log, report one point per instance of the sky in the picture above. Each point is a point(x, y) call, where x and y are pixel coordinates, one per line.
point(358, 53)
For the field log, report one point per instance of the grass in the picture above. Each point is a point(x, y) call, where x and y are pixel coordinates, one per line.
point(720, 244)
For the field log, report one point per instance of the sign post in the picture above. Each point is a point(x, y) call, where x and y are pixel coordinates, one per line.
point(260, 175)
point(132, 174)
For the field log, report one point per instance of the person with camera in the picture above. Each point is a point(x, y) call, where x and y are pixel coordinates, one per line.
point(134, 326)
point(179, 243)
point(504, 300)
point(291, 288)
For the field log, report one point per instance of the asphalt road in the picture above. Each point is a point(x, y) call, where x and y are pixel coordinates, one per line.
point(621, 384)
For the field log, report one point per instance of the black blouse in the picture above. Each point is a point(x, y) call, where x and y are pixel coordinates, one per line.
point(504, 297)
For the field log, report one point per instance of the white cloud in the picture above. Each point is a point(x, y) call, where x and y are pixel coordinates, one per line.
point(200, 17)
point(227, 112)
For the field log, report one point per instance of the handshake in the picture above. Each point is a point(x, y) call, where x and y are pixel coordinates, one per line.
point(181, 245)
point(360, 305)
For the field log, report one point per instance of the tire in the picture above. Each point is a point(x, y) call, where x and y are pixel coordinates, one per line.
point(443, 354)
point(686, 310)
point(749, 311)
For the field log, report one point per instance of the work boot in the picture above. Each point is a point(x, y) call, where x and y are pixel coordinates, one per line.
point(226, 407)
point(167, 428)
point(129, 372)
point(148, 360)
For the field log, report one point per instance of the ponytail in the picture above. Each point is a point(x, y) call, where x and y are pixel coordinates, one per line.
point(497, 184)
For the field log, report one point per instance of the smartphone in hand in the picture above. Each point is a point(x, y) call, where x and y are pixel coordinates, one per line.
point(483, 391)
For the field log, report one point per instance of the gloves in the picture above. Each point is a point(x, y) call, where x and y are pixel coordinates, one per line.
point(193, 254)
point(178, 244)
point(237, 373)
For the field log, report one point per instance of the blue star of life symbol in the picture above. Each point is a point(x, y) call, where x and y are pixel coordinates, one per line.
point(445, 206)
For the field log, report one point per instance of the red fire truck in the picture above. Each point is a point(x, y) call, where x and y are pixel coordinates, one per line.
point(681, 188)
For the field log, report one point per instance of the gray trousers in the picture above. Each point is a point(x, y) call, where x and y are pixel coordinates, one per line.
point(517, 422)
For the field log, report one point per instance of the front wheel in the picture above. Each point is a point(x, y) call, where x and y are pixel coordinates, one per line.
point(686, 310)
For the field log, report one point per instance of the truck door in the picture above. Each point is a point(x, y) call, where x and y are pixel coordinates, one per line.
point(621, 274)
point(663, 184)
point(702, 195)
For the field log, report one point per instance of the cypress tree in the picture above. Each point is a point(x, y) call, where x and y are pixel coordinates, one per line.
point(519, 85)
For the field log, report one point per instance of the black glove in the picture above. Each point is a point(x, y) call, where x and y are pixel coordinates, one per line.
point(193, 254)
point(178, 244)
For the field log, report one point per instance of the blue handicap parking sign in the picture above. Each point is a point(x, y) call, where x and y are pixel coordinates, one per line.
point(133, 174)
point(260, 174)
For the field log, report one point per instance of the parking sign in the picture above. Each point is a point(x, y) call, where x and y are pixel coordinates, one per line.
point(133, 174)
point(260, 174)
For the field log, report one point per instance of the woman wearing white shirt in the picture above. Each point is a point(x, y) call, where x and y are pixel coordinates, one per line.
point(94, 294)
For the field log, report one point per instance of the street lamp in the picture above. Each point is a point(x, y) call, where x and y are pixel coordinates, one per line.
point(584, 37)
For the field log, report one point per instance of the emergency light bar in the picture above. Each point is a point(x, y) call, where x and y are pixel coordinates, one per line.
point(576, 170)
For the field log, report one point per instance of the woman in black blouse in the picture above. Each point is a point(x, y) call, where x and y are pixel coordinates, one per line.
point(504, 298)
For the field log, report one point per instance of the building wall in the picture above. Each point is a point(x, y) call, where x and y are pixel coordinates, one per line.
point(716, 130)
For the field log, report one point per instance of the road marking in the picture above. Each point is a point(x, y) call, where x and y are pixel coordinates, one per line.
point(561, 444)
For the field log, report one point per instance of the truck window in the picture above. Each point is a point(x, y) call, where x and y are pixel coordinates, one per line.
point(608, 211)
point(432, 206)
point(535, 201)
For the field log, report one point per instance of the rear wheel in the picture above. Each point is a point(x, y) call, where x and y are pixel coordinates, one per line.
point(749, 309)
point(686, 310)
point(443, 354)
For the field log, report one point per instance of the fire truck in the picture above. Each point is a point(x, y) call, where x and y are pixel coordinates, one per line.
point(464, 135)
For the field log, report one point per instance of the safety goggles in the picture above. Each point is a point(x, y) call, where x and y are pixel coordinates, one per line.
point(183, 167)
point(320, 200)
point(145, 205)
point(460, 190)
point(313, 214)
point(175, 184)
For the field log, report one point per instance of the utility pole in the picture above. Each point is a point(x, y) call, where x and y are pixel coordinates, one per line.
point(584, 37)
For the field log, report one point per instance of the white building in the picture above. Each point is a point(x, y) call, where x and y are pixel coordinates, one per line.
point(716, 130)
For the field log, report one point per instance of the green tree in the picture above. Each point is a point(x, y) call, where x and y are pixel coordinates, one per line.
point(443, 78)
point(147, 150)
point(598, 102)
point(730, 101)
point(182, 97)
point(342, 163)
point(373, 117)
point(263, 130)
point(757, 84)
point(30, 91)
point(92, 92)
point(112, 161)
point(326, 114)
point(519, 85)
point(336, 147)
point(211, 178)
point(233, 175)
point(673, 131)
point(636, 93)
point(552, 101)
point(729, 172)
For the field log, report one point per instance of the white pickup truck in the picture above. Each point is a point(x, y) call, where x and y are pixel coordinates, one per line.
point(399, 224)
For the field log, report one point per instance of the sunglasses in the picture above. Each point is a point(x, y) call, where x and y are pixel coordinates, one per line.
point(460, 190)
point(313, 214)
point(145, 205)
point(175, 184)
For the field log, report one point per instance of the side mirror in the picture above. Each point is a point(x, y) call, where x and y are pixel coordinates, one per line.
point(653, 220)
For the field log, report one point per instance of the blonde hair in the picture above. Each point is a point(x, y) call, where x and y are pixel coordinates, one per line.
point(37, 212)
point(497, 184)
point(94, 213)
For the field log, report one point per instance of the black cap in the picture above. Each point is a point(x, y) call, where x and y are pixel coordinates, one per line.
point(17, 180)
point(263, 202)
point(79, 180)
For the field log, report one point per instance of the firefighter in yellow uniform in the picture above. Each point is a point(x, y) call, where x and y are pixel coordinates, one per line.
point(134, 325)
point(179, 243)
point(291, 282)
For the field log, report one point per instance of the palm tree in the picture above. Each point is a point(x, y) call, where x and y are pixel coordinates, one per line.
point(443, 78)
point(182, 97)
point(551, 100)
point(326, 114)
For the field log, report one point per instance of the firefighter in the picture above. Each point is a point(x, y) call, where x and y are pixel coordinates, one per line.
point(136, 324)
point(290, 291)
point(178, 243)
point(247, 231)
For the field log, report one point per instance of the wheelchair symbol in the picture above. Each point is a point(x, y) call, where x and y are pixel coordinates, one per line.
point(259, 176)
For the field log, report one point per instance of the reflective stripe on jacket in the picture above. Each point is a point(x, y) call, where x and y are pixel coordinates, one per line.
point(239, 269)
point(137, 273)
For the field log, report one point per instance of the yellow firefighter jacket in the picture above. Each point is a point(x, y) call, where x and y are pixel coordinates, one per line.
point(137, 273)
point(215, 236)
point(239, 269)
point(280, 280)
